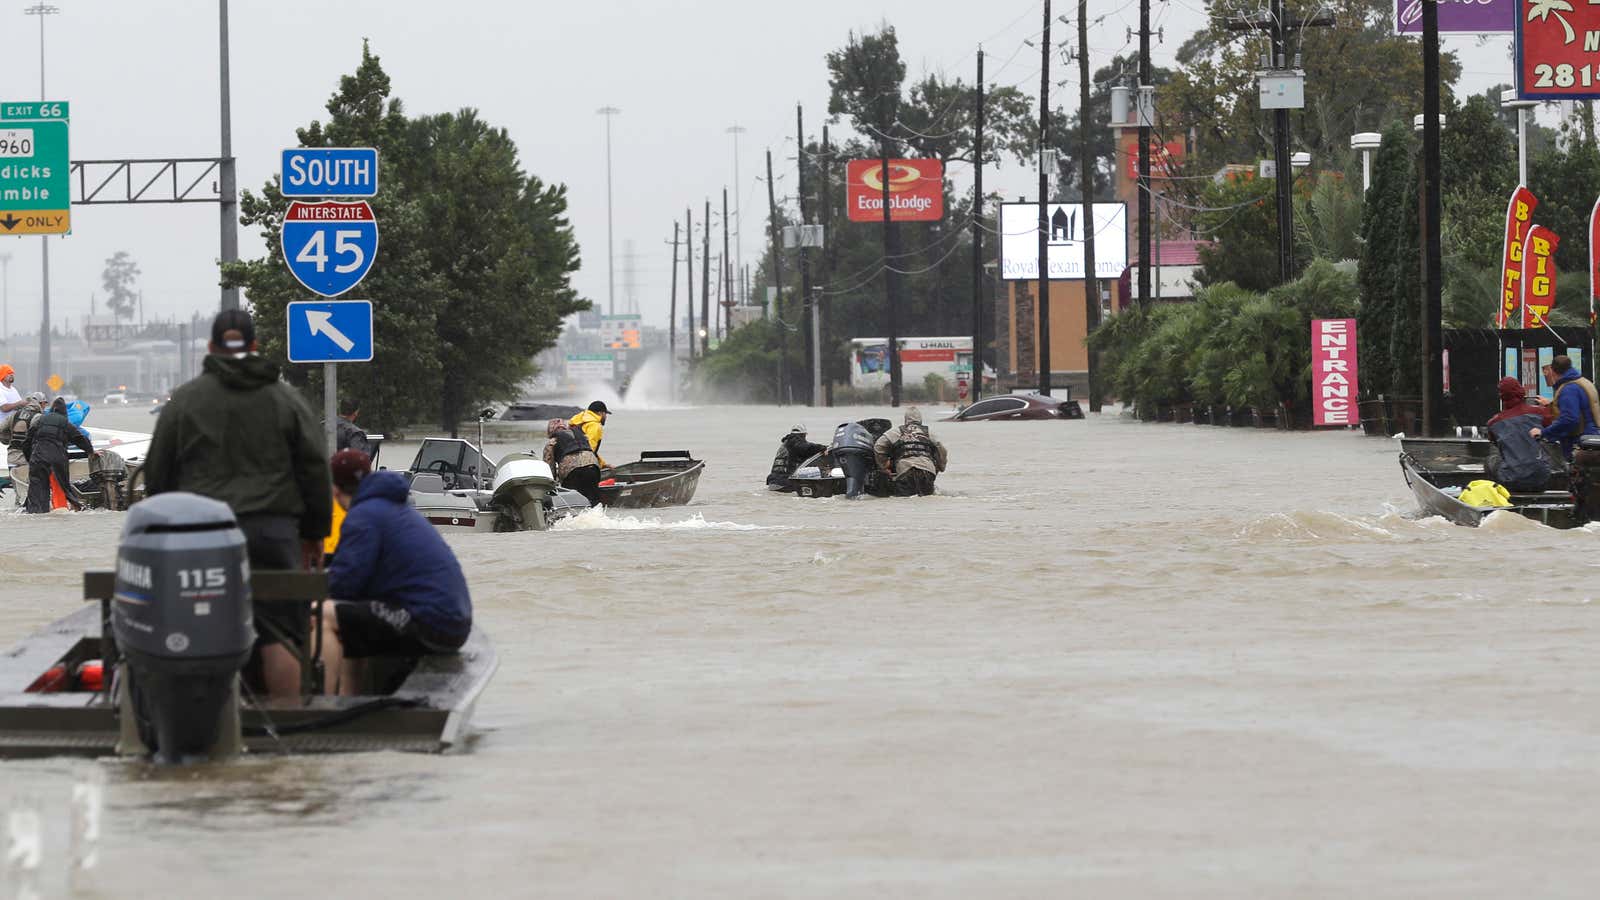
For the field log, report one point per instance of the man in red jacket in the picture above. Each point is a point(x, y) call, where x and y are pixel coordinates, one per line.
point(1514, 402)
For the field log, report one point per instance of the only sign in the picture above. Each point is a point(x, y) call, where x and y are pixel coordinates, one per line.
point(329, 246)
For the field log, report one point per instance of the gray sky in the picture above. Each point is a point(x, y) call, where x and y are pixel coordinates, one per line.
point(141, 77)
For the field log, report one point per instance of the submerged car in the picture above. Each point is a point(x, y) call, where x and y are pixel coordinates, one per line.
point(1010, 407)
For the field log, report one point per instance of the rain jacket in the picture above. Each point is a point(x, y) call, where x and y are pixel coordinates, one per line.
point(389, 552)
point(1575, 411)
point(239, 435)
point(593, 428)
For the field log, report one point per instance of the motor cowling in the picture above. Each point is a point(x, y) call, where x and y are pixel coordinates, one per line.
point(1585, 476)
point(182, 618)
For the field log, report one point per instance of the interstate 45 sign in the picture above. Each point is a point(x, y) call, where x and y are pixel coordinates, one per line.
point(1558, 49)
point(329, 246)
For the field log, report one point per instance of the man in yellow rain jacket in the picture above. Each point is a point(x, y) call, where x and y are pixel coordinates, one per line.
point(592, 423)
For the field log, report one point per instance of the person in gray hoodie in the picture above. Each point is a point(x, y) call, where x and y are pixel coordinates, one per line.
point(910, 456)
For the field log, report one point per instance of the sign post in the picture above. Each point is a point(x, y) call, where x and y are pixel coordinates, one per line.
point(329, 248)
point(35, 189)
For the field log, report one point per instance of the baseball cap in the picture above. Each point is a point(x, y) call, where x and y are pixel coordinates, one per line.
point(233, 320)
point(798, 429)
point(37, 396)
point(598, 406)
point(348, 468)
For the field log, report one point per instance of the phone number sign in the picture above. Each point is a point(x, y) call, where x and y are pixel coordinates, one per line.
point(1558, 50)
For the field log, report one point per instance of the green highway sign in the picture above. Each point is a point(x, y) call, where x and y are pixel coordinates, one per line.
point(35, 187)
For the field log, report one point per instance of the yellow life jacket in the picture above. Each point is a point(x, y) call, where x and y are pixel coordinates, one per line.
point(331, 542)
point(1485, 493)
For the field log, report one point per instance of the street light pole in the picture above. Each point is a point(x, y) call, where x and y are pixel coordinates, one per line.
point(226, 171)
point(41, 10)
point(611, 263)
point(738, 220)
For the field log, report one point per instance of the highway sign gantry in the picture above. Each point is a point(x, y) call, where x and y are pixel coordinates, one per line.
point(330, 331)
point(329, 246)
point(35, 186)
point(330, 172)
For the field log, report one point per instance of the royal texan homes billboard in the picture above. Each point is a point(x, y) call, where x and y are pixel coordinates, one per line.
point(1458, 16)
point(1019, 240)
point(916, 190)
point(1558, 49)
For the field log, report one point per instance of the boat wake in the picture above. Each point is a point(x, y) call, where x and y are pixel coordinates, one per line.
point(600, 519)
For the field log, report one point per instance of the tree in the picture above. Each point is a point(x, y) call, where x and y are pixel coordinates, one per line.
point(1241, 223)
point(119, 279)
point(1387, 274)
point(473, 280)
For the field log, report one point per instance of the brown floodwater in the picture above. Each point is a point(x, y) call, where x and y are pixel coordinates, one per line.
point(1108, 659)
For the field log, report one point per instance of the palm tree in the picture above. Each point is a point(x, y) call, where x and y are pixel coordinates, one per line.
point(1542, 9)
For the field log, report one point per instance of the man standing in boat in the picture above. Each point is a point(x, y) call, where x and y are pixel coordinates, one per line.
point(238, 434)
point(1576, 406)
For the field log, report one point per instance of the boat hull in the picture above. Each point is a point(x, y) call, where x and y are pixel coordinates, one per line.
point(1431, 465)
point(659, 478)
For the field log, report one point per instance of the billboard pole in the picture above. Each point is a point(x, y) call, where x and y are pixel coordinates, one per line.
point(977, 238)
point(826, 310)
point(889, 274)
point(1091, 283)
point(1432, 289)
point(1042, 302)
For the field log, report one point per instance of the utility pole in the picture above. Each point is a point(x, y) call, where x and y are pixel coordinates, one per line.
point(827, 256)
point(705, 284)
point(1091, 281)
point(688, 296)
point(808, 322)
point(738, 205)
point(977, 237)
point(890, 280)
point(1042, 305)
point(777, 275)
point(41, 10)
point(611, 262)
point(1143, 103)
point(727, 282)
point(227, 173)
point(1432, 287)
point(672, 322)
point(1278, 27)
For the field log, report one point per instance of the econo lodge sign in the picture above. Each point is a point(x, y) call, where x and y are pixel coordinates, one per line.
point(916, 190)
point(1558, 49)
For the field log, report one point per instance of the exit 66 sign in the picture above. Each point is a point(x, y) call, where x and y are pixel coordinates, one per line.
point(1558, 49)
point(329, 246)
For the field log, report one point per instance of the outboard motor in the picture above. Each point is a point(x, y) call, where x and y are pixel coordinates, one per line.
point(852, 449)
point(1585, 478)
point(182, 618)
point(108, 472)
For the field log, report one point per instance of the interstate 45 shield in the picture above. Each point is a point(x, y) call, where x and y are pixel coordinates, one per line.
point(329, 246)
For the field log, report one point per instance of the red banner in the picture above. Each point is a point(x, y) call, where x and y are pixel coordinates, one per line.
point(1539, 276)
point(916, 190)
point(1558, 49)
point(1164, 158)
point(1334, 383)
point(1519, 216)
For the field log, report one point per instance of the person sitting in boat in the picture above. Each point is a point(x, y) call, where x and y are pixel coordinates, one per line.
point(567, 453)
point(1518, 459)
point(347, 434)
point(794, 448)
point(395, 588)
point(592, 422)
point(1576, 406)
point(910, 456)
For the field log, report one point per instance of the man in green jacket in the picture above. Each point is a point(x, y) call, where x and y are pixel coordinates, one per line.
point(239, 435)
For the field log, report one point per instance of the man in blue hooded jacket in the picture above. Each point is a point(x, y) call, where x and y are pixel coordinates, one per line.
point(1576, 403)
point(396, 587)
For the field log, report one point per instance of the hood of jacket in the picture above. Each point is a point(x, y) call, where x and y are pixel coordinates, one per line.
point(383, 485)
point(242, 373)
point(585, 417)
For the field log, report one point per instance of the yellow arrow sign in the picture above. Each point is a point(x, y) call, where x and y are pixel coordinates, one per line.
point(35, 222)
point(54, 382)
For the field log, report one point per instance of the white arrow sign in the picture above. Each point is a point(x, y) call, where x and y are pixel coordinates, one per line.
point(320, 324)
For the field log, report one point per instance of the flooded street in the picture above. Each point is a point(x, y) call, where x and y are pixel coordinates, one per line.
point(1109, 659)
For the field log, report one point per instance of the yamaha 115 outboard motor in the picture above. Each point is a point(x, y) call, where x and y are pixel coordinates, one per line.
point(182, 618)
point(852, 448)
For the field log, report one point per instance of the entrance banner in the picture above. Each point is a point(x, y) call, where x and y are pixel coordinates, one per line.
point(1334, 384)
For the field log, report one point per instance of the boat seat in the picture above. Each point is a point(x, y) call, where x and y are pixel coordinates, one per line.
point(428, 482)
